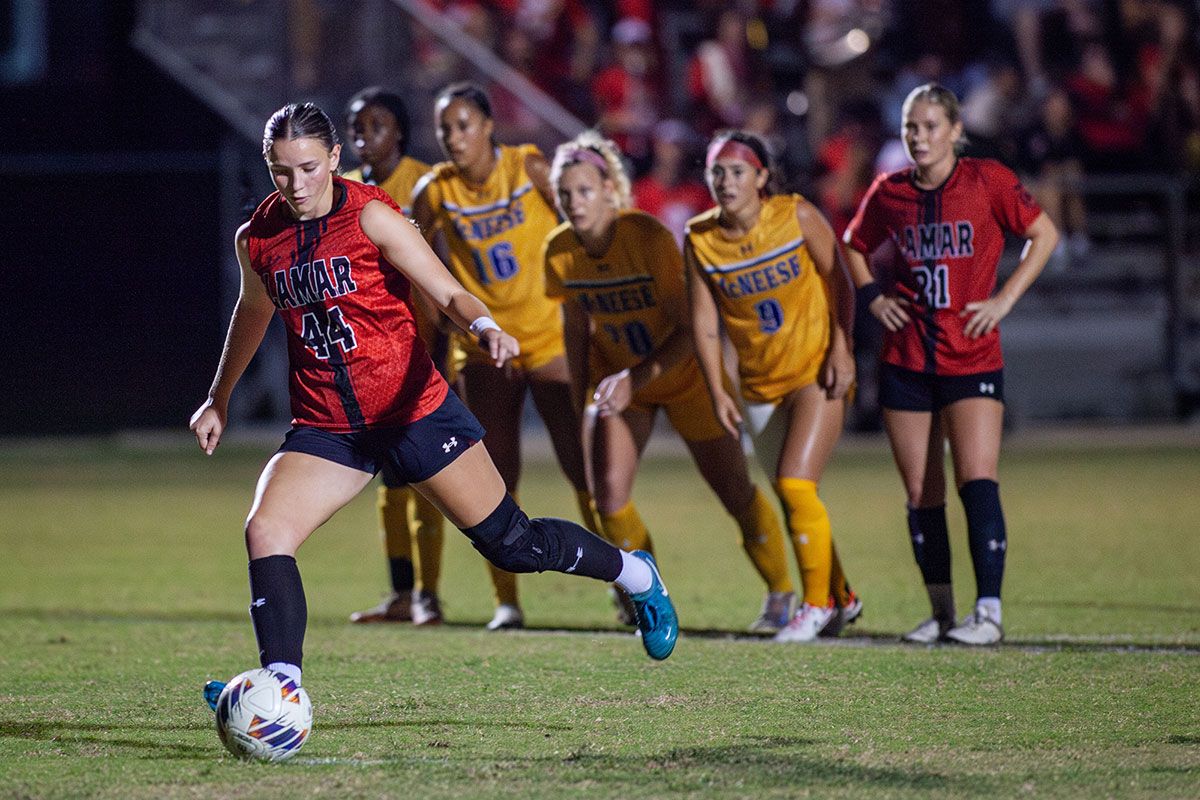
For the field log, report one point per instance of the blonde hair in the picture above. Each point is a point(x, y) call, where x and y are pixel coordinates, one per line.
point(938, 95)
point(590, 147)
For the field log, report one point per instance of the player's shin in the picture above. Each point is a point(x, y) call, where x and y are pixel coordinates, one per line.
point(279, 612)
point(762, 539)
point(988, 538)
point(930, 539)
point(808, 523)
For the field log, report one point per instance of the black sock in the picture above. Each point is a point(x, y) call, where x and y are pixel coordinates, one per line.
point(402, 575)
point(514, 542)
point(580, 552)
point(278, 609)
point(985, 533)
point(930, 542)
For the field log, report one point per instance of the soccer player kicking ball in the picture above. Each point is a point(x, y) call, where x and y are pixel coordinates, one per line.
point(337, 259)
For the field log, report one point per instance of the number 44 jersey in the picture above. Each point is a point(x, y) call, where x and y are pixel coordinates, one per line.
point(355, 359)
point(942, 249)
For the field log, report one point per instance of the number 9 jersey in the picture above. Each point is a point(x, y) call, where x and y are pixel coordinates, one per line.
point(946, 245)
point(770, 297)
point(495, 234)
point(354, 356)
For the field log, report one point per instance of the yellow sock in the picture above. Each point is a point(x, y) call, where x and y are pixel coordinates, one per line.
point(396, 540)
point(839, 587)
point(762, 539)
point(626, 530)
point(426, 527)
point(504, 583)
point(808, 523)
point(504, 586)
point(588, 513)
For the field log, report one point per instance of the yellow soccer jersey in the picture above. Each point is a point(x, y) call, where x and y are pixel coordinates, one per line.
point(632, 294)
point(495, 233)
point(772, 300)
point(399, 185)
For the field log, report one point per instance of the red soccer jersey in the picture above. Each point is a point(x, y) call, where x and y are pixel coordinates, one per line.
point(947, 244)
point(356, 360)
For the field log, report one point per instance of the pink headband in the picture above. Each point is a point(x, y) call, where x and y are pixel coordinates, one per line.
point(585, 155)
point(729, 148)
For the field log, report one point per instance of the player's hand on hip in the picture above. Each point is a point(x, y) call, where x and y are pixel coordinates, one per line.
point(890, 311)
point(208, 423)
point(499, 346)
point(614, 393)
point(984, 316)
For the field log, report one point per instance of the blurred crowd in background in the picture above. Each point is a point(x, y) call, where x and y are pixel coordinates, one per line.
point(1055, 88)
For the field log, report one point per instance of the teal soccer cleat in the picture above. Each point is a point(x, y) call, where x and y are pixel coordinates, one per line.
point(212, 691)
point(656, 620)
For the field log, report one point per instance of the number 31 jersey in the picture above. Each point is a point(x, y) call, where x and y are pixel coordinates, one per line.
point(354, 356)
point(946, 245)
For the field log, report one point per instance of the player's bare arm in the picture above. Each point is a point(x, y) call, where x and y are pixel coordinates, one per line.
point(405, 249)
point(985, 315)
point(705, 329)
point(837, 374)
point(247, 327)
point(538, 170)
point(577, 327)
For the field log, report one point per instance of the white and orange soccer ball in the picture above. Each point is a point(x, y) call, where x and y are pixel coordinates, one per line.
point(263, 716)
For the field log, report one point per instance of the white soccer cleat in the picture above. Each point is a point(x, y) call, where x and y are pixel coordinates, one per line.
point(807, 623)
point(507, 617)
point(931, 631)
point(776, 611)
point(976, 629)
point(843, 616)
point(426, 608)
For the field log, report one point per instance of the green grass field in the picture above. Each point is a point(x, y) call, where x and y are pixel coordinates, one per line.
point(123, 586)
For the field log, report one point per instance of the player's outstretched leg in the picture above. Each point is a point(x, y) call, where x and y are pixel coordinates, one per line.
point(514, 542)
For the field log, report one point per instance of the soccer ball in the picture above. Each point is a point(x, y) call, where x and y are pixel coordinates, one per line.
point(263, 715)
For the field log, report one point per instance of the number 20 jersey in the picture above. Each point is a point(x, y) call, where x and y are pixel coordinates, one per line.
point(355, 359)
point(945, 245)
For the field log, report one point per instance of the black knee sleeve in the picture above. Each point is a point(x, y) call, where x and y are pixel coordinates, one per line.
point(508, 539)
point(514, 542)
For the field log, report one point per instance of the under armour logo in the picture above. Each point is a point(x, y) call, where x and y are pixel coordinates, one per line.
point(994, 545)
point(450, 445)
point(987, 388)
point(578, 558)
point(259, 603)
point(919, 538)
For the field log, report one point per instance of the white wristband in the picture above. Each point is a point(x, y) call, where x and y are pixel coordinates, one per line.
point(482, 324)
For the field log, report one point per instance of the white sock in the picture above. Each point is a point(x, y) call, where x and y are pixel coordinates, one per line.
point(991, 605)
point(291, 670)
point(635, 576)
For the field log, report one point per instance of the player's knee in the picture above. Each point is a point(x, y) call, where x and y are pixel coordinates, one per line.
point(268, 535)
point(510, 540)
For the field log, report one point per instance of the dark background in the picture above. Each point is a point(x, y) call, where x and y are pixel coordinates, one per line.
point(112, 258)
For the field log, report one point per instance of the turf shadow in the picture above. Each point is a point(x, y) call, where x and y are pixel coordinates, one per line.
point(776, 762)
point(80, 733)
